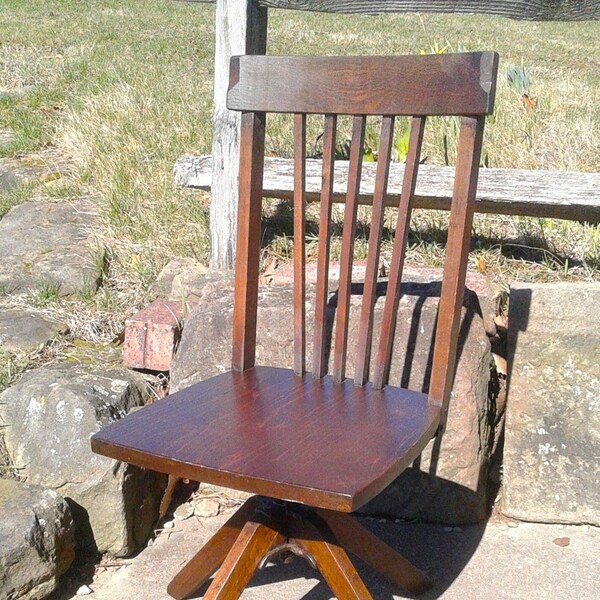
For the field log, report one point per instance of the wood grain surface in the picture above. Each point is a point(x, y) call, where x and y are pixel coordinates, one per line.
point(552, 194)
point(347, 253)
point(299, 244)
point(268, 431)
point(383, 356)
point(327, 442)
point(240, 28)
point(455, 266)
point(362, 543)
point(248, 237)
point(212, 555)
point(436, 84)
point(362, 359)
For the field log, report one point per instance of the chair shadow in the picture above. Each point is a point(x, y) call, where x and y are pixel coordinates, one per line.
point(441, 554)
point(422, 291)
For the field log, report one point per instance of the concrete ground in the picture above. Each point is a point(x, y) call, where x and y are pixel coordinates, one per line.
point(499, 560)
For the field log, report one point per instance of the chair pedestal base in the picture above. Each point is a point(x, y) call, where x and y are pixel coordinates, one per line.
point(264, 527)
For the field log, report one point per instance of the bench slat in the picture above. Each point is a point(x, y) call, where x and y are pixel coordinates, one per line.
point(552, 194)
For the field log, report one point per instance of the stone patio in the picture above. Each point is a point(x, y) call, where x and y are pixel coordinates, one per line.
point(501, 560)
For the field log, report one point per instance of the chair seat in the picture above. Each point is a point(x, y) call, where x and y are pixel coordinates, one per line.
point(268, 431)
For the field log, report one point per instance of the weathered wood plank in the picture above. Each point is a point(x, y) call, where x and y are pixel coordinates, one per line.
point(556, 194)
point(241, 28)
point(536, 10)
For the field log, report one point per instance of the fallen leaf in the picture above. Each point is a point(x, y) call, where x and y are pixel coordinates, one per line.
point(563, 541)
point(501, 322)
point(528, 102)
point(480, 264)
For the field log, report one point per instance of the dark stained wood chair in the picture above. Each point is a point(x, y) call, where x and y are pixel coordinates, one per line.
point(313, 446)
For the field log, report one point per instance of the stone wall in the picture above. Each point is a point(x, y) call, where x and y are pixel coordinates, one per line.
point(48, 418)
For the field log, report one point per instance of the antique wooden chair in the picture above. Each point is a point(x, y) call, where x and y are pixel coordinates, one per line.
point(316, 447)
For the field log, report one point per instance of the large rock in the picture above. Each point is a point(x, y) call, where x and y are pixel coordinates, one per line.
point(171, 282)
point(49, 416)
point(26, 330)
point(450, 484)
point(36, 540)
point(50, 244)
point(552, 447)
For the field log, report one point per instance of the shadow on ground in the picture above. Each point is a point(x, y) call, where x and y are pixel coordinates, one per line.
point(441, 552)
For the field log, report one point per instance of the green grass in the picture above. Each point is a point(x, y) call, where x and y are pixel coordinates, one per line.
point(563, 60)
point(116, 90)
point(14, 197)
point(120, 89)
point(44, 294)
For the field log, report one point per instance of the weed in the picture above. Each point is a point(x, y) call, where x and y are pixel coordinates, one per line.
point(401, 144)
point(87, 294)
point(44, 294)
point(436, 48)
point(518, 78)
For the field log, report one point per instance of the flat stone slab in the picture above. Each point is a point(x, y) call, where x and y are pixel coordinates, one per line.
point(45, 243)
point(26, 330)
point(36, 540)
point(552, 447)
point(476, 562)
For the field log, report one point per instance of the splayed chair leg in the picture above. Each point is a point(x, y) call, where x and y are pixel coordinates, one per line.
point(331, 559)
point(369, 548)
point(255, 540)
point(262, 528)
point(210, 557)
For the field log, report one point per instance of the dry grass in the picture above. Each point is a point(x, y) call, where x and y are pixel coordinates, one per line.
point(561, 132)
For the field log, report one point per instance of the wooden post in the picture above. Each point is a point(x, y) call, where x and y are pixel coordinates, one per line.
point(240, 28)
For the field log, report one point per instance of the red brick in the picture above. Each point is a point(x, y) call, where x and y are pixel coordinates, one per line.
point(152, 335)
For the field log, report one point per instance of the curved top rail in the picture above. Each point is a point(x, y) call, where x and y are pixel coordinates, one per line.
point(436, 84)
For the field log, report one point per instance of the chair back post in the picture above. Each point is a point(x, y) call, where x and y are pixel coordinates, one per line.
point(455, 265)
point(319, 362)
point(299, 244)
point(252, 155)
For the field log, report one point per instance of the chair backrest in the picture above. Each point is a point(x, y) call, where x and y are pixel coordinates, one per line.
point(414, 86)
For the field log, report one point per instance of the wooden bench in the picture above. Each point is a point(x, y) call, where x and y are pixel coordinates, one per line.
point(241, 28)
point(552, 194)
